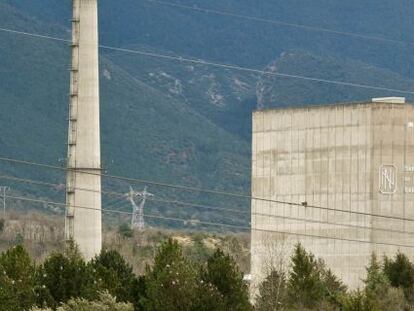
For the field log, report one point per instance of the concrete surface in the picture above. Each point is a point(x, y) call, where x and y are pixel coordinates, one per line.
point(348, 157)
point(83, 217)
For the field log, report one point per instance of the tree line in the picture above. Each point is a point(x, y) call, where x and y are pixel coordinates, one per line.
point(65, 282)
point(310, 285)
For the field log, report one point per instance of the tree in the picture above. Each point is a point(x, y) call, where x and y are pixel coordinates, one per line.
point(208, 298)
point(9, 299)
point(139, 292)
point(272, 292)
point(172, 281)
point(222, 272)
point(376, 282)
point(305, 285)
point(380, 295)
point(66, 276)
point(16, 280)
point(105, 302)
point(400, 273)
point(333, 287)
point(115, 274)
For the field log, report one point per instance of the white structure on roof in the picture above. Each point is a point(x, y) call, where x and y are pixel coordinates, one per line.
point(390, 100)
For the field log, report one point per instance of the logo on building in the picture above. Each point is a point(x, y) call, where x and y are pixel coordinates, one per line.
point(388, 179)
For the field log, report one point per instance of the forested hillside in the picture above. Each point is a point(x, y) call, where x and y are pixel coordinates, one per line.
point(186, 123)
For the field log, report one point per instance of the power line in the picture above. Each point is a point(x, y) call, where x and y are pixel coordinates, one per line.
point(223, 65)
point(211, 223)
point(122, 195)
point(202, 190)
point(256, 71)
point(278, 23)
point(280, 232)
point(35, 35)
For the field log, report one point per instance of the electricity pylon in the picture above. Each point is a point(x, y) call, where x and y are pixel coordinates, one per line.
point(138, 221)
point(4, 189)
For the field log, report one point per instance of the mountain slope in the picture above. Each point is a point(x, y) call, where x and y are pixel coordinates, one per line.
point(178, 122)
point(251, 42)
point(273, 91)
point(145, 133)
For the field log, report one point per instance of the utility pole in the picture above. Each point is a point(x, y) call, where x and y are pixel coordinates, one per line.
point(138, 221)
point(4, 189)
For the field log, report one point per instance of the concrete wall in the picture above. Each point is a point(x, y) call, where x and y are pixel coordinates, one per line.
point(331, 157)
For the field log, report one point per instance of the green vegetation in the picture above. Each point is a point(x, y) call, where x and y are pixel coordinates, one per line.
point(42, 235)
point(177, 122)
point(105, 302)
point(125, 230)
point(309, 285)
point(222, 274)
point(174, 282)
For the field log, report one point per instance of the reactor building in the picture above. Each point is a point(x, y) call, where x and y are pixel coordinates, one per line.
point(339, 179)
point(83, 184)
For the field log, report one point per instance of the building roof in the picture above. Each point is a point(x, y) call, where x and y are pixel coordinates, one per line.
point(374, 101)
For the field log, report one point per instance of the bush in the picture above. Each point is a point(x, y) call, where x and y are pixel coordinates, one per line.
point(2, 224)
point(105, 302)
point(125, 231)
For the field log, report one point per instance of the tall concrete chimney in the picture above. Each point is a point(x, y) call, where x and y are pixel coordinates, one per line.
point(83, 184)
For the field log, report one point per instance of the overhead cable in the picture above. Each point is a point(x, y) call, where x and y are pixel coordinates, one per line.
point(208, 207)
point(20, 198)
point(202, 190)
point(222, 65)
point(277, 22)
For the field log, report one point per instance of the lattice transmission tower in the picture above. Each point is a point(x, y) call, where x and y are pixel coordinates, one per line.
point(137, 221)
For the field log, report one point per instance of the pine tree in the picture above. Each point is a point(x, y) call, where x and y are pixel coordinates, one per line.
point(305, 285)
point(400, 273)
point(222, 272)
point(114, 274)
point(380, 295)
point(66, 276)
point(333, 287)
point(208, 298)
point(376, 282)
point(171, 284)
point(16, 280)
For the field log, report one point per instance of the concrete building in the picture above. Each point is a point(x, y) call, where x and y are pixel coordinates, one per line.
point(83, 198)
point(353, 160)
